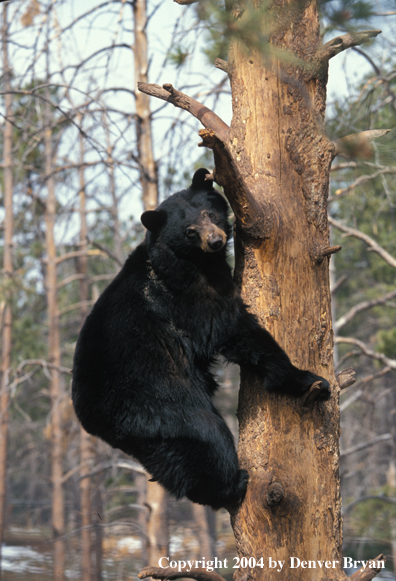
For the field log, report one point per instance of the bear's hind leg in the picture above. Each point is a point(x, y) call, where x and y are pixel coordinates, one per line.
point(202, 466)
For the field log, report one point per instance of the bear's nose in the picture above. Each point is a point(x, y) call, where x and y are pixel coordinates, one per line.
point(215, 243)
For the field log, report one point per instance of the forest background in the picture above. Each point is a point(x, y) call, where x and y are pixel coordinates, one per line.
point(82, 154)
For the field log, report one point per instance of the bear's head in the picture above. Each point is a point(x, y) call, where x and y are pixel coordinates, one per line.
point(190, 222)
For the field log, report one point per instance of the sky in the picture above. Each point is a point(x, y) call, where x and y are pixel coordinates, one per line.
point(167, 15)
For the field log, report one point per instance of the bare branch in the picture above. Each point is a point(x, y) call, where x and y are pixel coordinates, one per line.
point(74, 277)
point(345, 404)
point(69, 279)
point(110, 254)
point(341, 43)
point(360, 181)
point(368, 59)
point(77, 253)
point(365, 445)
point(42, 363)
point(248, 213)
point(338, 283)
point(367, 239)
point(199, 574)
point(354, 397)
point(133, 466)
point(363, 306)
point(345, 165)
point(168, 93)
point(185, 2)
point(372, 376)
point(368, 497)
point(371, 569)
point(363, 347)
point(357, 143)
point(87, 303)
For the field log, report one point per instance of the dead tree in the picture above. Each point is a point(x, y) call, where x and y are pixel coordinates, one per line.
point(5, 302)
point(54, 348)
point(86, 445)
point(155, 522)
point(273, 163)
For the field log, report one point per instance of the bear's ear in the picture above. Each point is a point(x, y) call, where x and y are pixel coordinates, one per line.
point(153, 219)
point(199, 182)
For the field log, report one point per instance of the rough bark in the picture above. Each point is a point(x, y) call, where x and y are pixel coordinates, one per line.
point(54, 355)
point(6, 312)
point(292, 507)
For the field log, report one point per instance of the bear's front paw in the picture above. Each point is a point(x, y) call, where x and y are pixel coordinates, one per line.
point(314, 387)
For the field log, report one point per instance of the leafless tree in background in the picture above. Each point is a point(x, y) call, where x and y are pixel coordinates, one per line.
point(5, 303)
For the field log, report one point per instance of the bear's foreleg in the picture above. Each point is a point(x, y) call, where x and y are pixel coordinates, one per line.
point(253, 347)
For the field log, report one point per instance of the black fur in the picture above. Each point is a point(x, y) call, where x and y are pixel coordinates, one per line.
point(141, 375)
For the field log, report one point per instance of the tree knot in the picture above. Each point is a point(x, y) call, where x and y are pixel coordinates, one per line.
point(275, 493)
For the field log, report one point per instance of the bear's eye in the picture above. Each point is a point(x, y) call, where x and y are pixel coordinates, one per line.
point(212, 216)
point(190, 232)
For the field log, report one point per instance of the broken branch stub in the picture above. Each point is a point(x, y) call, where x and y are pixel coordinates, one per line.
point(346, 377)
point(372, 568)
point(341, 43)
point(221, 64)
point(357, 144)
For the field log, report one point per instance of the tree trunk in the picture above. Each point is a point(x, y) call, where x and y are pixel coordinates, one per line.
point(148, 168)
point(86, 457)
point(141, 484)
point(205, 534)
point(292, 507)
point(157, 533)
point(157, 524)
point(54, 355)
point(86, 444)
point(5, 311)
point(113, 194)
point(98, 533)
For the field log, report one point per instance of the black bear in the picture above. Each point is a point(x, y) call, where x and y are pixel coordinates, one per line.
point(141, 375)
